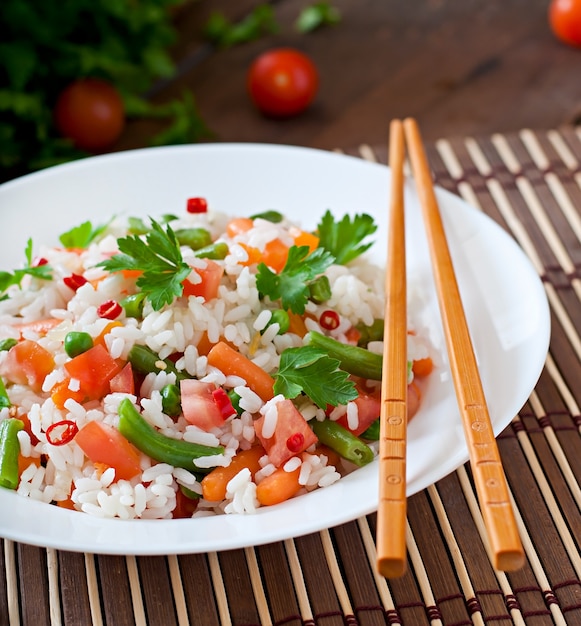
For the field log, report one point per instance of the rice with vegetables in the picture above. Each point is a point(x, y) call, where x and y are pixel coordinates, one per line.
point(193, 365)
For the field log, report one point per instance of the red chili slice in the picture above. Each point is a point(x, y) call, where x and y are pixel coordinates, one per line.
point(197, 205)
point(329, 320)
point(66, 431)
point(74, 281)
point(223, 402)
point(109, 310)
point(295, 442)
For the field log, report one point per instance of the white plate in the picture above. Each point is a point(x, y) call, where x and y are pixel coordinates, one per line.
point(503, 297)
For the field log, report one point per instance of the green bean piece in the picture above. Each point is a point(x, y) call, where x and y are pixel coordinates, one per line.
point(77, 342)
point(235, 399)
point(4, 399)
point(372, 431)
point(280, 317)
point(353, 359)
point(344, 442)
point(192, 495)
point(133, 305)
point(215, 251)
point(320, 289)
point(6, 344)
point(144, 360)
point(270, 216)
point(195, 238)
point(171, 400)
point(146, 438)
point(370, 333)
point(9, 451)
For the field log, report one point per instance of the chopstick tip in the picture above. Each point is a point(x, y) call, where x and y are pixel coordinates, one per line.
point(391, 567)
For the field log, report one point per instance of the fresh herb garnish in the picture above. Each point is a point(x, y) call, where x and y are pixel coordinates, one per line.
point(311, 371)
point(291, 285)
point(317, 15)
point(159, 258)
point(42, 271)
point(224, 33)
point(82, 235)
point(345, 239)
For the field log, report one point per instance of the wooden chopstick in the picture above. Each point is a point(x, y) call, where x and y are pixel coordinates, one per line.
point(391, 513)
point(491, 487)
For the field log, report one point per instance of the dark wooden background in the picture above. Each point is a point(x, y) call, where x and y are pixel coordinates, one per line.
point(462, 67)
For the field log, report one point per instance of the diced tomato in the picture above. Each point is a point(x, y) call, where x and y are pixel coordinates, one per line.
point(123, 382)
point(368, 409)
point(94, 369)
point(185, 507)
point(304, 238)
point(275, 255)
point(198, 404)
point(211, 276)
point(291, 437)
point(414, 399)
point(104, 444)
point(27, 363)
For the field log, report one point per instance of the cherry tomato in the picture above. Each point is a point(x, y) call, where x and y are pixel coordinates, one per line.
point(282, 82)
point(90, 113)
point(565, 20)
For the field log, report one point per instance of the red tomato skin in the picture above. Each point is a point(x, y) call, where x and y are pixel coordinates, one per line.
point(565, 21)
point(27, 363)
point(282, 82)
point(90, 112)
point(198, 405)
point(94, 370)
point(289, 423)
point(211, 276)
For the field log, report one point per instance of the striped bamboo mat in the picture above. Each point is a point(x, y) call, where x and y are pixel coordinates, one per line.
point(529, 182)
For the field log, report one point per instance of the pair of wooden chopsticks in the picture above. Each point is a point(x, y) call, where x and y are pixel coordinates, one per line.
point(504, 542)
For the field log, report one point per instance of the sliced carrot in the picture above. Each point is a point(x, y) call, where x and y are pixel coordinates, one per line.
point(214, 484)
point(414, 399)
point(233, 363)
point(238, 226)
point(304, 238)
point(131, 273)
point(275, 254)
point(100, 338)
point(278, 487)
point(67, 504)
point(25, 462)
point(60, 393)
point(423, 367)
point(333, 458)
point(254, 255)
point(297, 324)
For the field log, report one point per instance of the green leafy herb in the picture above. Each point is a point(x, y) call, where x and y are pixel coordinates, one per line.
point(345, 239)
point(7, 279)
point(317, 15)
point(82, 235)
point(224, 33)
point(291, 286)
point(159, 258)
point(311, 371)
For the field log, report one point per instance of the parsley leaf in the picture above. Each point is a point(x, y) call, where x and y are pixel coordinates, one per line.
point(82, 235)
point(159, 258)
point(7, 279)
point(291, 284)
point(344, 239)
point(311, 371)
point(317, 15)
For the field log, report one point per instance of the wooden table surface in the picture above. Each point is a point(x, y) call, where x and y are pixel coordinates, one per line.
point(461, 68)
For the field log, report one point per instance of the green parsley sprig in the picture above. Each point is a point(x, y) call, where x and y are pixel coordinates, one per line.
point(159, 258)
point(291, 285)
point(311, 371)
point(82, 235)
point(345, 239)
point(8, 279)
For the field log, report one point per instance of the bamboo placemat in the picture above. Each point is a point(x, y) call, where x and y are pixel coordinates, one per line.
point(530, 183)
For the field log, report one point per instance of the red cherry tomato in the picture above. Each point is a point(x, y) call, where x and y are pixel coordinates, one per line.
point(565, 21)
point(90, 113)
point(282, 82)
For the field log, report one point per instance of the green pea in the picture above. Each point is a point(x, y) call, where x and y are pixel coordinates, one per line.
point(6, 344)
point(320, 289)
point(280, 317)
point(133, 305)
point(77, 342)
point(171, 400)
